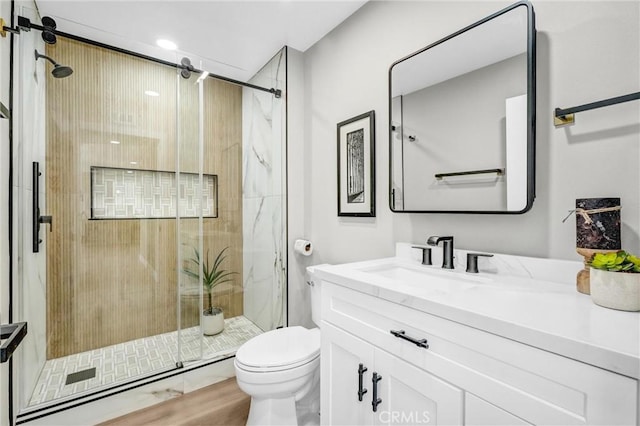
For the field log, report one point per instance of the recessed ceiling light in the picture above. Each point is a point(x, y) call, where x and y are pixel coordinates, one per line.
point(166, 44)
point(115, 142)
point(133, 163)
point(129, 171)
point(151, 93)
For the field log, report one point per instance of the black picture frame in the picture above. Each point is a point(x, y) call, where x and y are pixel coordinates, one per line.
point(356, 166)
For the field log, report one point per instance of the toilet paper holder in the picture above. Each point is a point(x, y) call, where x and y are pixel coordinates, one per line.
point(303, 247)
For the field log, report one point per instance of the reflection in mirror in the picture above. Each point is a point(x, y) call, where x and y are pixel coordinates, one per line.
point(462, 114)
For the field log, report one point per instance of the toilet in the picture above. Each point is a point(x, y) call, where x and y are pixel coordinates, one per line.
point(280, 370)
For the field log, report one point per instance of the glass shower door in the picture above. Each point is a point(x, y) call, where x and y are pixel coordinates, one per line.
point(234, 140)
point(196, 195)
point(211, 282)
point(100, 293)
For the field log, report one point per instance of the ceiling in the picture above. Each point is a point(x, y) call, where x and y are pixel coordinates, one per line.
point(231, 38)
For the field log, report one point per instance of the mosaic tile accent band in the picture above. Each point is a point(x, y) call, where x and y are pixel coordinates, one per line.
point(147, 194)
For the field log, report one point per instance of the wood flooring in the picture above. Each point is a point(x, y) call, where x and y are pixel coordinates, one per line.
point(219, 404)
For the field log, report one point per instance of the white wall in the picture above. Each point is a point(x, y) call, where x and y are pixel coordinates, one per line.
point(5, 73)
point(298, 185)
point(587, 51)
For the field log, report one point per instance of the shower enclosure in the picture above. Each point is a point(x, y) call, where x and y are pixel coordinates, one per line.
point(137, 179)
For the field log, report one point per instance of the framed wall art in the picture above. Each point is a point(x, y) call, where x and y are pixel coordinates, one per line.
point(356, 166)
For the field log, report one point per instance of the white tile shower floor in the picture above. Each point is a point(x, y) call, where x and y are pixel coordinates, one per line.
point(124, 362)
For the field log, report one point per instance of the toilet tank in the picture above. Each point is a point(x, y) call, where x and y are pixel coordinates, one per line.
point(314, 291)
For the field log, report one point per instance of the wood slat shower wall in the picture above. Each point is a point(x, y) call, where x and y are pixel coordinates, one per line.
point(111, 281)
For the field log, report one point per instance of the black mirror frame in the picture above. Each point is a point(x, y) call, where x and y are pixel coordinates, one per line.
point(531, 112)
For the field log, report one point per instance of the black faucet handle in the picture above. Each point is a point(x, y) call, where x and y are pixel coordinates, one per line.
point(472, 261)
point(426, 254)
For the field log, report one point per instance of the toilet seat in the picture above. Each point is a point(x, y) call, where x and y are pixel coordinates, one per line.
point(280, 349)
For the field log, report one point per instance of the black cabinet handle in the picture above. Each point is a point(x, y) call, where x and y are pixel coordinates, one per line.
point(361, 390)
point(401, 334)
point(375, 400)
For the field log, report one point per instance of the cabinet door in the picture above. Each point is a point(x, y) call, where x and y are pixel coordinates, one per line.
point(340, 357)
point(411, 396)
point(479, 412)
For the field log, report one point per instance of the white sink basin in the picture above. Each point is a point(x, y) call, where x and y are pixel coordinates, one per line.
point(424, 275)
point(436, 278)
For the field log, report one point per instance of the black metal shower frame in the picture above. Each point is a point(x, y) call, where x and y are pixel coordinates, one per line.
point(27, 24)
point(10, 399)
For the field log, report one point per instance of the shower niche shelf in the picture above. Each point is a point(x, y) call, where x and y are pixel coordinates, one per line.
point(118, 193)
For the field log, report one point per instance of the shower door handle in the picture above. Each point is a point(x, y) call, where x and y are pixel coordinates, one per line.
point(37, 220)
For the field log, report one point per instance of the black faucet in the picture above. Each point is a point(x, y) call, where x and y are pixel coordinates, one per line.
point(447, 250)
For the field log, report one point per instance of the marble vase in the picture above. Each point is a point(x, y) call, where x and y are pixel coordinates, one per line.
point(597, 231)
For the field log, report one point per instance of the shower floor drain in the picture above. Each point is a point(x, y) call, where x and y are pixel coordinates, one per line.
point(79, 376)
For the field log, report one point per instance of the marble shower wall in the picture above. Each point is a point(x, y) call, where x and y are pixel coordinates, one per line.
point(29, 269)
point(264, 197)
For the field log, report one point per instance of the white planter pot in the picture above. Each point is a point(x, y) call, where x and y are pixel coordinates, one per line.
point(212, 324)
point(616, 290)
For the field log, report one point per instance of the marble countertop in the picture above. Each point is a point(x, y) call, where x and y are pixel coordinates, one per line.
point(529, 300)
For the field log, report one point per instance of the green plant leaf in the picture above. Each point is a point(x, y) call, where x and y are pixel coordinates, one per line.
point(634, 259)
point(626, 267)
point(619, 261)
point(212, 274)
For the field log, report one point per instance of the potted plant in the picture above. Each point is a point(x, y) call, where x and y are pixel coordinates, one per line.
point(615, 280)
point(212, 276)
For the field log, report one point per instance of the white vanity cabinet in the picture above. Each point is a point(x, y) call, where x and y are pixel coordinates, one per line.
point(405, 394)
point(465, 376)
point(345, 362)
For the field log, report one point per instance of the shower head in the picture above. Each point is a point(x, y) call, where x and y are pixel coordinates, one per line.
point(59, 71)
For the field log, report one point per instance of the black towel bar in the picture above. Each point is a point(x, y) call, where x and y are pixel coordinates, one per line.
point(498, 172)
point(566, 115)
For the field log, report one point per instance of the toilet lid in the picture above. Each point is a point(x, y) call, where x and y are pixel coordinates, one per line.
point(284, 347)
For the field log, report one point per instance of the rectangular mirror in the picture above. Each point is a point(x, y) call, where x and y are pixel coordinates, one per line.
point(462, 120)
